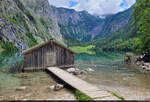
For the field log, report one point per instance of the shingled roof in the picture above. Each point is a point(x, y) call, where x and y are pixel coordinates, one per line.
point(45, 43)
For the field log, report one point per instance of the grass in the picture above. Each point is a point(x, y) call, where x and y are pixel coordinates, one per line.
point(80, 49)
point(120, 97)
point(82, 97)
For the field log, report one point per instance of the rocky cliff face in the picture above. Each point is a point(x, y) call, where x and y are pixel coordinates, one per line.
point(27, 22)
point(85, 27)
point(79, 25)
point(115, 22)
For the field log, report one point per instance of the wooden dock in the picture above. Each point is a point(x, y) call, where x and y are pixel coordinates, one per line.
point(81, 85)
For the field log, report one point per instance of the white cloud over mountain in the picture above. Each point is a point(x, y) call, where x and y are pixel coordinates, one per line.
point(98, 7)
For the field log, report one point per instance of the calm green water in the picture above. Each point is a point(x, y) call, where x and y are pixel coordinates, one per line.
point(112, 74)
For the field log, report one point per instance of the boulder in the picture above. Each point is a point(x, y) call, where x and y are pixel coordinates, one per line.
point(77, 72)
point(130, 58)
point(138, 63)
point(52, 87)
point(71, 70)
point(57, 87)
point(144, 67)
point(147, 64)
point(89, 70)
point(22, 88)
point(77, 69)
point(83, 72)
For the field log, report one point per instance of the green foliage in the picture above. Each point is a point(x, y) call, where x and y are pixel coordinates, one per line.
point(26, 26)
point(8, 47)
point(15, 20)
point(31, 18)
point(11, 63)
point(142, 17)
point(117, 45)
point(83, 49)
point(124, 40)
point(82, 97)
point(45, 23)
point(31, 40)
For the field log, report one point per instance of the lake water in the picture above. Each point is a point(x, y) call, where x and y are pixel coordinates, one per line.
point(112, 74)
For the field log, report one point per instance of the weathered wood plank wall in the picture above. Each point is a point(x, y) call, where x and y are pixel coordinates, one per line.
point(48, 55)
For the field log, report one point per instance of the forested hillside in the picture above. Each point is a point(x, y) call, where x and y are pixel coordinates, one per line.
point(134, 37)
point(142, 17)
point(125, 39)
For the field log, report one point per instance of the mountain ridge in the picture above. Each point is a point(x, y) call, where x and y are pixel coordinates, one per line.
point(86, 27)
point(30, 22)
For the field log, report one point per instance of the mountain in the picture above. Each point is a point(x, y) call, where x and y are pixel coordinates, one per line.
point(115, 22)
point(85, 27)
point(25, 23)
point(124, 40)
point(77, 25)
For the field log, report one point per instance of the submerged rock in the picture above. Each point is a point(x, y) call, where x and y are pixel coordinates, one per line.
point(89, 70)
point(57, 87)
point(22, 88)
point(74, 71)
point(52, 87)
point(71, 70)
point(83, 72)
point(21, 75)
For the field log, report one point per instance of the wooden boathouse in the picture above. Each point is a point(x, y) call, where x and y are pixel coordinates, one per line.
point(48, 54)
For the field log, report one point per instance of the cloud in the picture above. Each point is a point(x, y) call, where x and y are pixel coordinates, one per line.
point(98, 7)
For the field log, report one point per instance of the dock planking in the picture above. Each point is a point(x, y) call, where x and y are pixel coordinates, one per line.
point(81, 85)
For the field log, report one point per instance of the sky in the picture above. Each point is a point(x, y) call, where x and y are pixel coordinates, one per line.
point(96, 7)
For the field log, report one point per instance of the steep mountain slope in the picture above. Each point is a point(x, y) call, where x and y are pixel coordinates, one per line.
point(78, 25)
point(25, 23)
point(84, 27)
point(116, 22)
point(125, 39)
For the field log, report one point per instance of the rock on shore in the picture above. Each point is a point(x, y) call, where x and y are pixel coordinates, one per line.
point(132, 59)
point(57, 87)
point(76, 71)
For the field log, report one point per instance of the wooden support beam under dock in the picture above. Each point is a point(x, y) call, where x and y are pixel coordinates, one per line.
point(81, 85)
